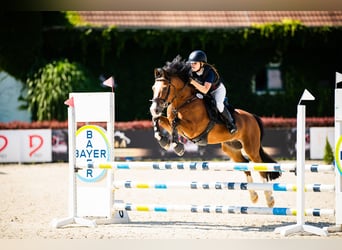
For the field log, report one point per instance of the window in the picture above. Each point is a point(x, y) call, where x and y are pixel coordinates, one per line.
point(268, 80)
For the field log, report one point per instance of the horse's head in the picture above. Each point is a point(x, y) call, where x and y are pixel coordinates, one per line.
point(161, 92)
point(169, 81)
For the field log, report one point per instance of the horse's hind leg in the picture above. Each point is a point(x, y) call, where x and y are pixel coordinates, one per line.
point(255, 157)
point(236, 156)
point(252, 194)
point(268, 195)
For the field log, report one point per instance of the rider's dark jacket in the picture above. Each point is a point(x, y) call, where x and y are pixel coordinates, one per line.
point(209, 75)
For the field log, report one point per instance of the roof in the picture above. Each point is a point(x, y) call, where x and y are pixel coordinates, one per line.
point(206, 19)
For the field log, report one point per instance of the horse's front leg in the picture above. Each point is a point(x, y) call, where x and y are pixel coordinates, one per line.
point(178, 147)
point(163, 140)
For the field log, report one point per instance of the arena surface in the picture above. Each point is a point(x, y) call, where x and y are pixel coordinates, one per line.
point(33, 195)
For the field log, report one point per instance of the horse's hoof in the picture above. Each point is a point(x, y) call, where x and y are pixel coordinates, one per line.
point(270, 202)
point(179, 149)
point(164, 142)
point(254, 197)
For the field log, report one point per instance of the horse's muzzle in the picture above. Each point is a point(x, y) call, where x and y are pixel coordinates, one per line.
point(156, 108)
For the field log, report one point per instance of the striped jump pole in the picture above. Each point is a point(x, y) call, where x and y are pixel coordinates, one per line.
point(215, 166)
point(221, 209)
point(195, 185)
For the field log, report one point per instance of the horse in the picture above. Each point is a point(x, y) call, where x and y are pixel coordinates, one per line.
point(186, 115)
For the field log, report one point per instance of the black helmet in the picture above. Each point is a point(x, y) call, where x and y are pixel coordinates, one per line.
point(197, 56)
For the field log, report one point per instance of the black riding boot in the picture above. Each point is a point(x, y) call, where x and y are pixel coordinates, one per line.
point(229, 121)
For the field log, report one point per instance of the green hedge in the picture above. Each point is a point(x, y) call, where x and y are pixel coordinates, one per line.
point(310, 57)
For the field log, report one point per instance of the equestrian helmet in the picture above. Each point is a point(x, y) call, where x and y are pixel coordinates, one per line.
point(197, 56)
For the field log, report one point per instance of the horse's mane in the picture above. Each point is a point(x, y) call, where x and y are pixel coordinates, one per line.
point(178, 67)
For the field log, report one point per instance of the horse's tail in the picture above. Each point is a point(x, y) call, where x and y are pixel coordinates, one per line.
point(264, 156)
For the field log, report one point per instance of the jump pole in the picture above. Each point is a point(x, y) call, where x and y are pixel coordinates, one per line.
point(300, 226)
point(218, 185)
point(205, 166)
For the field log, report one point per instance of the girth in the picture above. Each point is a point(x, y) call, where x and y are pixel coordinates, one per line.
point(202, 139)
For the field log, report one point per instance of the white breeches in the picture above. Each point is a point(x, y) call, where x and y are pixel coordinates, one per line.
point(219, 94)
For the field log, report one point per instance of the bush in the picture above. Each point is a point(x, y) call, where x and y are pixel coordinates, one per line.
point(328, 153)
point(50, 86)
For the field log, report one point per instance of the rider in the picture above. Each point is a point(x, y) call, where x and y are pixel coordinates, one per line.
point(205, 78)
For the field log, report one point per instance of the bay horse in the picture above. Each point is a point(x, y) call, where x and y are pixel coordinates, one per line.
point(187, 115)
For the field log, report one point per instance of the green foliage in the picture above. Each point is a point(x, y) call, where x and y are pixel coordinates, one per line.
point(50, 86)
point(309, 58)
point(131, 56)
point(328, 157)
point(74, 18)
point(286, 28)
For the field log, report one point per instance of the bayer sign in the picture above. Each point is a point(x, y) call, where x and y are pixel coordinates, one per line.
point(91, 145)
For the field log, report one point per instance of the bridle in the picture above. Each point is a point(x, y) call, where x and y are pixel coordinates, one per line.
point(163, 101)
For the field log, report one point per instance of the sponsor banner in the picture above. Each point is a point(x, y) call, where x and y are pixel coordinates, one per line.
point(92, 145)
point(10, 146)
point(59, 143)
point(36, 145)
point(31, 145)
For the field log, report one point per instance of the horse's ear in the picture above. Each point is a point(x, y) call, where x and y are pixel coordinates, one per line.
point(158, 72)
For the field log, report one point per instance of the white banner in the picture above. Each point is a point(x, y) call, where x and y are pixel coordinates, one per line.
point(10, 146)
point(29, 145)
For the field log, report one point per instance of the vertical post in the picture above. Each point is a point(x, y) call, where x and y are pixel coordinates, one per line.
point(300, 226)
point(301, 114)
point(338, 159)
point(56, 223)
point(114, 216)
point(338, 155)
point(110, 136)
point(72, 162)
